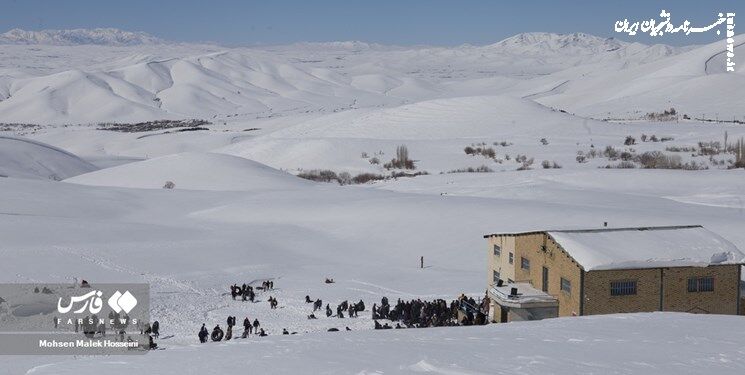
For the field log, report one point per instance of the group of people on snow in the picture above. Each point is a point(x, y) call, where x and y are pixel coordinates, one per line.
point(219, 335)
point(418, 314)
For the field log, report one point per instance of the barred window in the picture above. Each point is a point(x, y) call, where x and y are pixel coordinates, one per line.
point(497, 250)
point(622, 288)
point(701, 284)
point(525, 263)
point(512, 258)
point(495, 277)
point(566, 285)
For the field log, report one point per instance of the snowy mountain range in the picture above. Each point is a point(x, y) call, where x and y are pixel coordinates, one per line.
point(100, 36)
point(128, 77)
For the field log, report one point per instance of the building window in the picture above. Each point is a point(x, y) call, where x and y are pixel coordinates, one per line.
point(525, 264)
point(495, 277)
point(701, 284)
point(566, 285)
point(622, 288)
point(512, 258)
point(497, 250)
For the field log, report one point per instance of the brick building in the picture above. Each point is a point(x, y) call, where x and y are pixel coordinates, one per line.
point(537, 274)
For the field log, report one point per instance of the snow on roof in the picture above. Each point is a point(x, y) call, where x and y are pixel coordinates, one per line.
point(649, 247)
point(526, 295)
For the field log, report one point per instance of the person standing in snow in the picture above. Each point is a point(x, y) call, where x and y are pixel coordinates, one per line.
point(156, 329)
point(256, 325)
point(328, 311)
point(203, 333)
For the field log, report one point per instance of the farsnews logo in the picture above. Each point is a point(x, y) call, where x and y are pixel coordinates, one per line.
point(664, 26)
point(93, 302)
point(122, 302)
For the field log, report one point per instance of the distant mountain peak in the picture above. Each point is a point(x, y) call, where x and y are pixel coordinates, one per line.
point(572, 43)
point(102, 36)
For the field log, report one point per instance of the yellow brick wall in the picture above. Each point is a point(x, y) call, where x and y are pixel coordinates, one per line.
point(723, 300)
point(501, 263)
point(599, 301)
point(559, 265)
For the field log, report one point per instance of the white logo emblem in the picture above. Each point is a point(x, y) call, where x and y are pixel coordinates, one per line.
point(118, 302)
point(122, 302)
point(92, 302)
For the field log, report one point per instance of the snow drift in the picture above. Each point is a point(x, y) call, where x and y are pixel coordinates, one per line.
point(24, 158)
point(193, 171)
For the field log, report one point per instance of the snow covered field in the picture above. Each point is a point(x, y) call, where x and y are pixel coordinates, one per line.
point(239, 214)
point(658, 343)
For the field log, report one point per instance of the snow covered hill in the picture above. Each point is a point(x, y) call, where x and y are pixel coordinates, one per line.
point(24, 158)
point(194, 171)
point(107, 36)
point(140, 82)
point(693, 82)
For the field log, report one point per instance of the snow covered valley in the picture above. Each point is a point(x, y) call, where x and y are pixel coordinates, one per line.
point(237, 212)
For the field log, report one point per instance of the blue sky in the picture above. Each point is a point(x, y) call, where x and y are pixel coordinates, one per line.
point(403, 22)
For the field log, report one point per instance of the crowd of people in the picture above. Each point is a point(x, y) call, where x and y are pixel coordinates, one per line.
point(414, 313)
point(437, 313)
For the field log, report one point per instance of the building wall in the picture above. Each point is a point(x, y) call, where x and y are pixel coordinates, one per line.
point(501, 263)
point(672, 283)
point(598, 299)
point(559, 265)
point(723, 300)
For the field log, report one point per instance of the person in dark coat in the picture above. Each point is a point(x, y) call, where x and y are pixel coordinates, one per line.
point(156, 329)
point(217, 333)
point(328, 311)
point(203, 333)
point(256, 324)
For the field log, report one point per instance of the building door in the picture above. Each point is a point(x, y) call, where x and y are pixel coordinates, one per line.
point(544, 287)
point(503, 314)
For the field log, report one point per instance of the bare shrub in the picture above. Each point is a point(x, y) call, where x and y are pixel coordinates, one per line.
point(526, 163)
point(622, 165)
point(544, 141)
point(629, 141)
point(169, 185)
point(344, 178)
point(324, 175)
point(680, 149)
point(709, 148)
point(480, 169)
point(666, 115)
point(581, 158)
point(364, 178)
point(549, 164)
point(610, 153)
point(659, 160)
point(374, 160)
point(469, 150)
